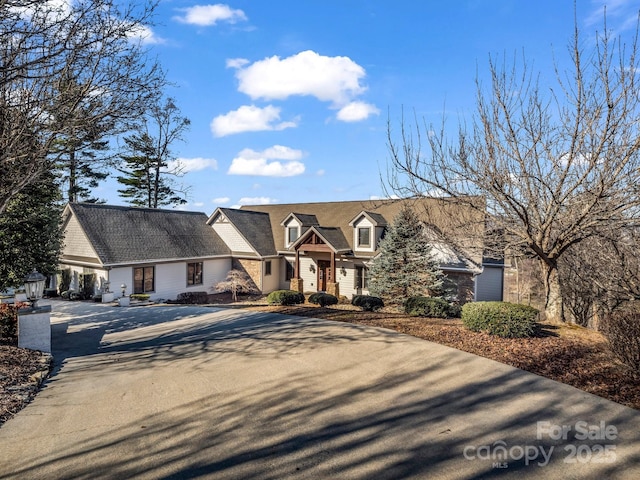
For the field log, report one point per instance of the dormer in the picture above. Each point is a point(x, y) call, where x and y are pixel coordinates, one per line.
point(368, 229)
point(295, 224)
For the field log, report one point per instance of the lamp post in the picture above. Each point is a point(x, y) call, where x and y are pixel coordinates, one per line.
point(123, 287)
point(34, 286)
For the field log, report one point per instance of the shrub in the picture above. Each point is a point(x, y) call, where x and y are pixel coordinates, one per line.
point(192, 298)
point(433, 307)
point(508, 320)
point(622, 330)
point(143, 297)
point(368, 303)
point(8, 321)
point(323, 299)
point(285, 297)
point(65, 280)
point(87, 285)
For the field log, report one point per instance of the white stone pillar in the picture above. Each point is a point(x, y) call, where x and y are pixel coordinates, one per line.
point(34, 328)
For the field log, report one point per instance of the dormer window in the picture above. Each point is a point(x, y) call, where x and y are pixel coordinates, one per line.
point(292, 234)
point(364, 236)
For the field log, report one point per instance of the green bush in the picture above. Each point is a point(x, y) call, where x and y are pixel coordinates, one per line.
point(508, 320)
point(143, 297)
point(433, 307)
point(285, 297)
point(192, 298)
point(323, 299)
point(368, 303)
point(65, 280)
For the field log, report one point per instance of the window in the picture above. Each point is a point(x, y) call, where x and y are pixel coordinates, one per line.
point(144, 279)
point(364, 236)
point(194, 273)
point(292, 234)
point(362, 277)
point(290, 271)
point(267, 267)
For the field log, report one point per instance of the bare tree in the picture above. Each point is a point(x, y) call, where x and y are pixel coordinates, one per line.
point(94, 42)
point(236, 282)
point(556, 165)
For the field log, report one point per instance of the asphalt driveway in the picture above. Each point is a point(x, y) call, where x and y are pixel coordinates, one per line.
point(172, 392)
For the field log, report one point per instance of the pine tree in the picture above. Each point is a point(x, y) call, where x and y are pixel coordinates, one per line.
point(405, 266)
point(146, 171)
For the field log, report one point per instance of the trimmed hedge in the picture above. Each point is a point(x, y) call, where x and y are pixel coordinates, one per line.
point(503, 319)
point(143, 297)
point(323, 299)
point(433, 307)
point(192, 298)
point(285, 297)
point(368, 303)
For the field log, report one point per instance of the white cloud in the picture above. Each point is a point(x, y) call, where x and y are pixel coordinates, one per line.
point(249, 118)
point(208, 15)
point(236, 62)
point(268, 162)
point(257, 200)
point(145, 35)
point(186, 165)
point(329, 79)
point(356, 111)
point(221, 200)
point(320, 173)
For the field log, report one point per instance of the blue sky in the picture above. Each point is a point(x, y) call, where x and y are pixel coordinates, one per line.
point(289, 100)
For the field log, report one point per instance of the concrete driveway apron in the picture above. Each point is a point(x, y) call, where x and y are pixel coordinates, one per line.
point(168, 392)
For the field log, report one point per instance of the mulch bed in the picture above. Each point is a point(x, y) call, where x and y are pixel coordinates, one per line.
point(21, 373)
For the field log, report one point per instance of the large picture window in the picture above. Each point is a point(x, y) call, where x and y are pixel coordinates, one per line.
point(194, 273)
point(144, 280)
point(364, 237)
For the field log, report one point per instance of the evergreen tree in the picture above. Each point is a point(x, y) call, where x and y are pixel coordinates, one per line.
point(405, 266)
point(30, 232)
point(80, 153)
point(146, 171)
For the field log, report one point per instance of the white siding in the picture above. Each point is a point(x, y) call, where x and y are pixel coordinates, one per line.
point(272, 282)
point(232, 238)
point(291, 223)
point(364, 222)
point(489, 284)
point(171, 278)
point(76, 242)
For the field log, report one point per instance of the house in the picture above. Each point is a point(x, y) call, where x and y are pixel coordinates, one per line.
point(303, 246)
point(160, 252)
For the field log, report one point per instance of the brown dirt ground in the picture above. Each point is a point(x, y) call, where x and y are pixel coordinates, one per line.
point(573, 355)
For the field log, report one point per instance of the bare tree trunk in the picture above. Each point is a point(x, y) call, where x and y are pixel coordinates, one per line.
point(553, 305)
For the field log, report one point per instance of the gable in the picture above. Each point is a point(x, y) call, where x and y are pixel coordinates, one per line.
point(77, 246)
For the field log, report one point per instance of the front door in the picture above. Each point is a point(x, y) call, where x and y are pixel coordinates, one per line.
point(324, 274)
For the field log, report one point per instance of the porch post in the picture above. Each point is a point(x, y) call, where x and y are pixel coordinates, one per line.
point(296, 282)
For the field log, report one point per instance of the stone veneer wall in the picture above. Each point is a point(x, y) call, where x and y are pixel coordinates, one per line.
point(333, 289)
point(297, 285)
point(253, 268)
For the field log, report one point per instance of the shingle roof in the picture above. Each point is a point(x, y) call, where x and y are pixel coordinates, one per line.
point(255, 227)
point(338, 214)
point(333, 237)
point(130, 235)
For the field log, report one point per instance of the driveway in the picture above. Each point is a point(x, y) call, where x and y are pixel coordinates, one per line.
point(171, 392)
